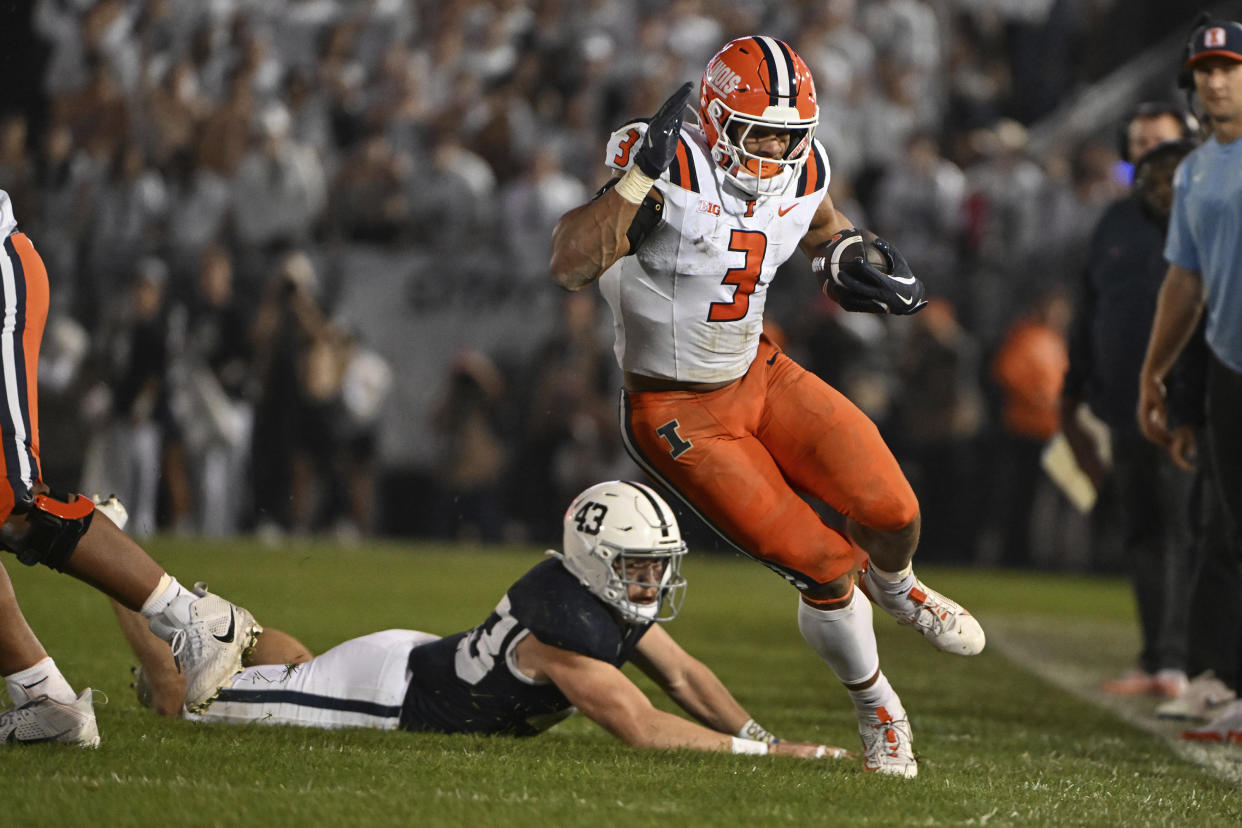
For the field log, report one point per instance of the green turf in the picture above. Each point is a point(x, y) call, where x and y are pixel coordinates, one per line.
point(997, 745)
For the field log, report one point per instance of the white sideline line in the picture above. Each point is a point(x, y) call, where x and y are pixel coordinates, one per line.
point(1224, 761)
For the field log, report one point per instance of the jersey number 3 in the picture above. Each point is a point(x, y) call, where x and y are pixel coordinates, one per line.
point(754, 244)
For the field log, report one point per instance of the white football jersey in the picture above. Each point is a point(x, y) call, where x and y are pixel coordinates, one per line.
point(7, 222)
point(688, 306)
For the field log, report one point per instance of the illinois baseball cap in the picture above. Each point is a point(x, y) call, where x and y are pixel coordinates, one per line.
point(1216, 38)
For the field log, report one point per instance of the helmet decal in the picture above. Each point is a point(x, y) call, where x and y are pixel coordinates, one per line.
point(758, 83)
point(782, 74)
point(622, 542)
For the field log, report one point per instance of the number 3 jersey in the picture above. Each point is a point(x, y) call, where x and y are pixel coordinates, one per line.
point(688, 306)
point(470, 683)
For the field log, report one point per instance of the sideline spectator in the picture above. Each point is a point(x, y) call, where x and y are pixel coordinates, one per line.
point(130, 405)
point(937, 428)
point(212, 400)
point(1204, 250)
point(921, 196)
point(299, 361)
point(569, 425)
point(1029, 369)
point(1125, 267)
point(473, 456)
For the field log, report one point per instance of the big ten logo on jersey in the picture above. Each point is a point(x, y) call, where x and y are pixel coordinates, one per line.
point(709, 207)
point(722, 78)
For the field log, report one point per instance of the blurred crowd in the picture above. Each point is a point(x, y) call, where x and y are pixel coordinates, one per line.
point(188, 171)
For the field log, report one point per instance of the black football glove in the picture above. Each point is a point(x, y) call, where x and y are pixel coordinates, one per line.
point(857, 284)
point(660, 143)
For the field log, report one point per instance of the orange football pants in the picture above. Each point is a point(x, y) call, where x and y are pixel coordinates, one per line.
point(739, 456)
point(25, 302)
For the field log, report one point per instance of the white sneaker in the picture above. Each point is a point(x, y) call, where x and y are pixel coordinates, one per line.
point(209, 638)
point(888, 745)
point(44, 719)
point(1226, 727)
point(1203, 698)
point(944, 623)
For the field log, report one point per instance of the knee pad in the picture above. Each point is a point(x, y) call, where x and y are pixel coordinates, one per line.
point(56, 524)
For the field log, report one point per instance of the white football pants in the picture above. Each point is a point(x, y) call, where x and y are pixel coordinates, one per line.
point(358, 683)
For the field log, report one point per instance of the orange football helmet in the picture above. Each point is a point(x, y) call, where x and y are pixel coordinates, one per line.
point(758, 81)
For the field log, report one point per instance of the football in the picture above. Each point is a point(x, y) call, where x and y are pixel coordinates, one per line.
point(846, 246)
point(862, 246)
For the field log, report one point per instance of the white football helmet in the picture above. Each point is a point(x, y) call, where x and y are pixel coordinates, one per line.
point(611, 530)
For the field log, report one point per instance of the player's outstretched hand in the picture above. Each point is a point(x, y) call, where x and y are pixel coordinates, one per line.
point(807, 750)
point(660, 143)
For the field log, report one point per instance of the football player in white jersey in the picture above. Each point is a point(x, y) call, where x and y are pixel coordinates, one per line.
point(684, 241)
point(554, 644)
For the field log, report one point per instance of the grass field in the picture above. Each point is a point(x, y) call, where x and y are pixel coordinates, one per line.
point(998, 744)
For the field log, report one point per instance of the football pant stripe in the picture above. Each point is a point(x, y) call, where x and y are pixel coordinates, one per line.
point(314, 700)
point(20, 465)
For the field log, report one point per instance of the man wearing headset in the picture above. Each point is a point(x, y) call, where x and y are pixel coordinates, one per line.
point(1204, 280)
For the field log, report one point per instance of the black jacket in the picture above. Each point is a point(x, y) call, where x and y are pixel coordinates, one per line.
point(1112, 323)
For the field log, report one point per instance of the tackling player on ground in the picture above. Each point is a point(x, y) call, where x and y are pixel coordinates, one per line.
point(554, 643)
point(684, 242)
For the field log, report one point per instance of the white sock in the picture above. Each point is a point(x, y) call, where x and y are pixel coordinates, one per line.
point(43, 679)
point(894, 583)
point(164, 593)
point(879, 694)
point(843, 638)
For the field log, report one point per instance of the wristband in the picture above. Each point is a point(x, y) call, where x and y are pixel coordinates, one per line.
point(756, 731)
point(749, 746)
point(634, 186)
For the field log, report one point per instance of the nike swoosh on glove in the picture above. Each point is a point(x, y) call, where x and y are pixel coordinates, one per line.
point(862, 272)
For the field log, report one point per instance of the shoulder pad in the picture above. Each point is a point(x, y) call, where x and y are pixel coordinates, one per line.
point(561, 612)
point(683, 172)
point(622, 143)
point(815, 172)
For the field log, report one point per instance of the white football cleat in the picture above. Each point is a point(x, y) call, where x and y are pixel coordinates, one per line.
point(943, 622)
point(888, 744)
point(209, 638)
point(44, 719)
point(1203, 698)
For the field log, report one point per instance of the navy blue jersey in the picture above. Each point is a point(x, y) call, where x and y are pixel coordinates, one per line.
point(468, 683)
